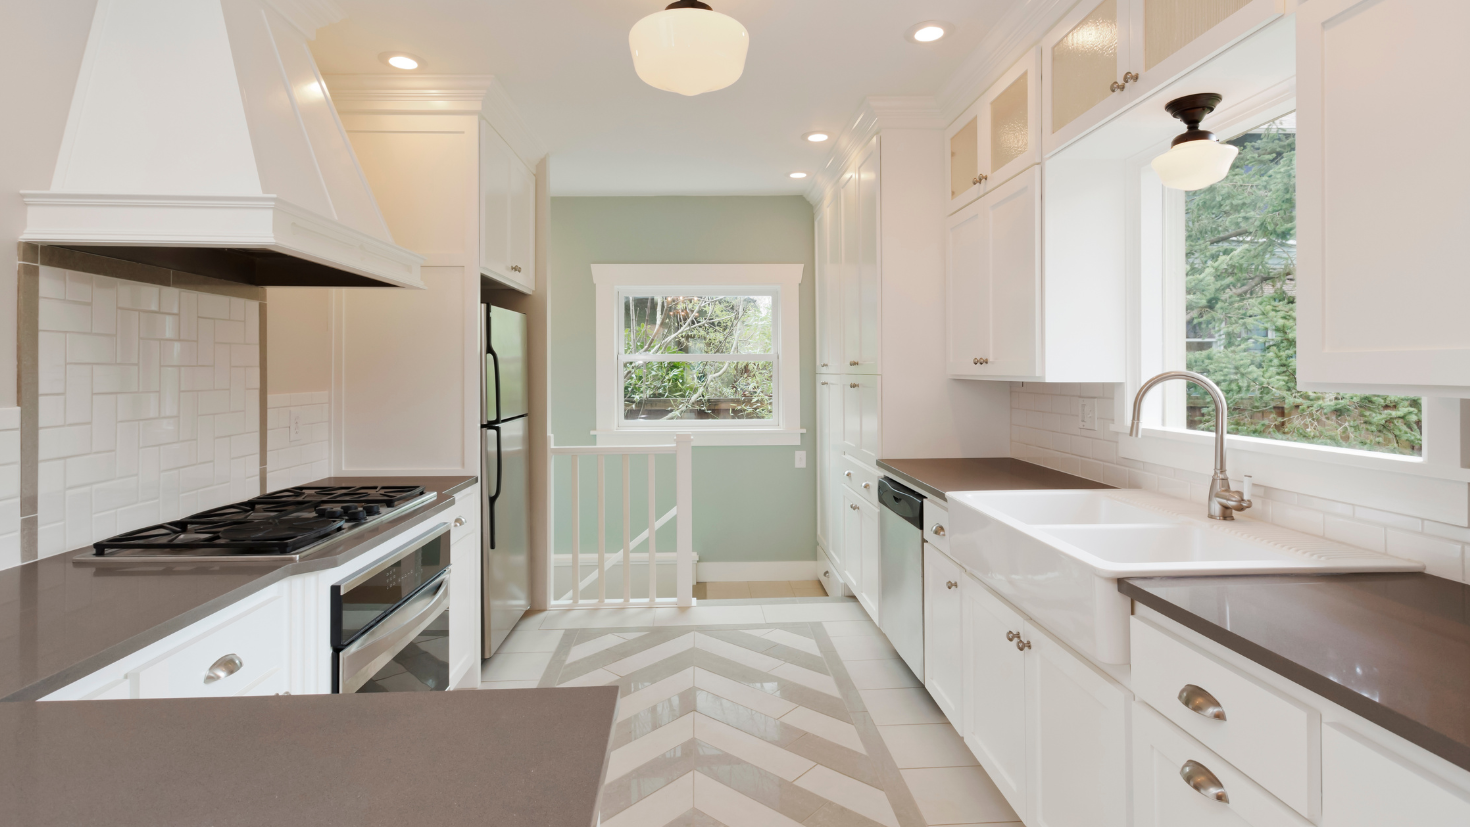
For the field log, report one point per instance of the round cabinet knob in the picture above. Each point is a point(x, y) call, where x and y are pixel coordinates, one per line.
point(827, 573)
point(981, 360)
point(1023, 645)
point(853, 506)
point(852, 384)
point(979, 178)
point(847, 474)
point(1013, 636)
point(458, 522)
point(824, 364)
point(853, 363)
point(867, 485)
point(937, 530)
point(950, 584)
point(1204, 782)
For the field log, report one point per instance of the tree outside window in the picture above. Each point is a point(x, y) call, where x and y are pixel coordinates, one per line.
point(1240, 312)
point(698, 358)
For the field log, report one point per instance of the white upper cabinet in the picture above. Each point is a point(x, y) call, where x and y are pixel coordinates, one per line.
point(829, 288)
point(1381, 286)
point(507, 214)
point(1103, 56)
point(860, 277)
point(994, 283)
point(997, 137)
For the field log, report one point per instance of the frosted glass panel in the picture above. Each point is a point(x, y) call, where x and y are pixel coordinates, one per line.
point(964, 158)
point(1084, 65)
point(1169, 25)
point(1008, 121)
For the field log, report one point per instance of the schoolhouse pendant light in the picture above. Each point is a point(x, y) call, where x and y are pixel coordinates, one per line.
point(1195, 159)
point(688, 48)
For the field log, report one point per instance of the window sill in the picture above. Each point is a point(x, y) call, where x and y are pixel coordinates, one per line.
point(1403, 485)
point(703, 437)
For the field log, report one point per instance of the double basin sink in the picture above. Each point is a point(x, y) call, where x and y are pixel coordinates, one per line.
point(1058, 555)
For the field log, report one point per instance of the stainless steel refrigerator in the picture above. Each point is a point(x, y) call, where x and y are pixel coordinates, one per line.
point(504, 457)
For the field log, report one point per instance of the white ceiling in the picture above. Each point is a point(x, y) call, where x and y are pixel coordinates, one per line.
point(566, 65)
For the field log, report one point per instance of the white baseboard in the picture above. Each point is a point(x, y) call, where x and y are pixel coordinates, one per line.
point(755, 572)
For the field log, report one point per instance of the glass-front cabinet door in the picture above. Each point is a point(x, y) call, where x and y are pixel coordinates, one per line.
point(1171, 37)
point(963, 137)
point(1013, 115)
point(1086, 58)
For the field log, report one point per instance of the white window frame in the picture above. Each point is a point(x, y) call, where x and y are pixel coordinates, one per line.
point(780, 281)
point(1433, 486)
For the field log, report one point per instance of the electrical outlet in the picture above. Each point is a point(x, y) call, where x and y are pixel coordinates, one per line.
point(801, 459)
point(295, 426)
point(1087, 415)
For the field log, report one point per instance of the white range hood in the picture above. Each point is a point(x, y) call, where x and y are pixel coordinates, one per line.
point(201, 138)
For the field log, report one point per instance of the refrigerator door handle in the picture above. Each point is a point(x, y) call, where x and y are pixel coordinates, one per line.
point(498, 470)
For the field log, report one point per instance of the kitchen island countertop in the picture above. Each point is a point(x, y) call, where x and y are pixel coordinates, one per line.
point(495, 757)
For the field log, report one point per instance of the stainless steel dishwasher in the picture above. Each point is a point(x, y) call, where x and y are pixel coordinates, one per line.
point(901, 548)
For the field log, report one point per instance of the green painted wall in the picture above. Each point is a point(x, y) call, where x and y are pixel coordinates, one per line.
point(750, 503)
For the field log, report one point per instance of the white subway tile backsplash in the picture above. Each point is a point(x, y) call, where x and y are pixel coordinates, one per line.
point(53, 283)
point(289, 463)
point(1044, 431)
point(82, 348)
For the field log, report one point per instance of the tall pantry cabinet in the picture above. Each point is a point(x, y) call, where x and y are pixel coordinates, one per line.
point(882, 387)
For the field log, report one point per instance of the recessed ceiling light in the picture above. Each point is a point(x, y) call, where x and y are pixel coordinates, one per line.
point(816, 137)
point(798, 175)
point(929, 31)
point(400, 60)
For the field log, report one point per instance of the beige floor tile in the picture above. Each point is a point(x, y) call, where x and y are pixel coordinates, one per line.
point(838, 732)
point(916, 746)
point(794, 640)
point(806, 677)
point(852, 628)
point(812, 612)
point(651, 655)
point(709, 615)
point(597, 677)
point(875, 647)
point(881, 674)
point(732, 690)
point(850, 793)
point(727, 591)
point(738, 654)
point(515, 666)
point(958, 795)
point(808, 588)
point(508, 685)
point(732, 808)
point(891, 707)
point(751, 749)
point(636, 702)
point(773, 588)
point(660, 808)
point(531, 640)
point(592, 647)
point(635, 754)
point(701, 591)
point(597, 618)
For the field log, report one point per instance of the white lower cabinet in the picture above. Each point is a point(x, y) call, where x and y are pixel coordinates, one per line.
point(1365, 785)
point(944, 626)
point(862, 566)
point(995, 690)
point(1165, 762)
point(465, 620)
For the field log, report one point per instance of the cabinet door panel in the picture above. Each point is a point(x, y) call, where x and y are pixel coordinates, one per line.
point(521, 259)
point(852, 540)
point(995, 691)
point(967, 280)
point(1363, 784)
point(860, 418)
point(1353, 335)
point(825, 392)
point(1013, 111)
point(871, 594)
point(944, 634)
point(860, 291)
point(829, 288)
point(1171, 37)
point(1170, 25)
point(1079, 739)
point(965, 155)
point(495, 161)
point(1086, 54)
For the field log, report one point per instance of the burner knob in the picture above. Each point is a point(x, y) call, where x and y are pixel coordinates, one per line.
point(329, 512)
point(354, 513)
point(372, 509)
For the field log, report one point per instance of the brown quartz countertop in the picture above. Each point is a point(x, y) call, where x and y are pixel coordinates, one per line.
point(60, 621)
point(1393, 648)
point(938, 477)
point(503, 757)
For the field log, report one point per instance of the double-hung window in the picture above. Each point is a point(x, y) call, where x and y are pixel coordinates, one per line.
point(711, 350)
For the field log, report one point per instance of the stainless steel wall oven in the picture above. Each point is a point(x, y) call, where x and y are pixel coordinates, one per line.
point(390, 622)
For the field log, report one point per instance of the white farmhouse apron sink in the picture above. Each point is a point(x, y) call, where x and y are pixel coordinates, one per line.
point(1058, 555)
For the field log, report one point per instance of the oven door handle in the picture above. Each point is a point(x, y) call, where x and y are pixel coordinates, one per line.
point(371, 652)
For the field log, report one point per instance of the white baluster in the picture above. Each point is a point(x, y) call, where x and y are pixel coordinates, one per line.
point(627, 535)
point(652, 532)
point(684, 554)
point(601, 529)
point(576, 535)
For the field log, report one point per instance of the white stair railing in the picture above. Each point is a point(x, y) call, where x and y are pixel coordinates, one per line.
point(575, 594)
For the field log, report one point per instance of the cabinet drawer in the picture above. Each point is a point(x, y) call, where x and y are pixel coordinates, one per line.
point(246, 647)
point(464, 516)
point(1267, 735)
point(1162, 797)
point(936, 524)
point(862, 480)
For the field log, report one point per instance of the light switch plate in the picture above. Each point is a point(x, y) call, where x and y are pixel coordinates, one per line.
point(801, 459)
point(1087, 415)
point(295, 426)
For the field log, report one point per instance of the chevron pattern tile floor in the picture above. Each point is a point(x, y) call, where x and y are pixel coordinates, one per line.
point(757, 715)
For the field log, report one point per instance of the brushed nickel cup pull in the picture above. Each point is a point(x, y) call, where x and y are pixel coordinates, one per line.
point(1200, 702)
point(1204, 782)
point(937, 530)
point(950, 584)
point(223, 668)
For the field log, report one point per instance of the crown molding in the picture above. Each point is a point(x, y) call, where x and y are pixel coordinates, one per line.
point(1018, 31)
point(875, 115)
point(309, 15)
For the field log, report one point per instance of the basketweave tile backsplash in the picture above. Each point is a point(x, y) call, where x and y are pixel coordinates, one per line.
point(149, 405)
